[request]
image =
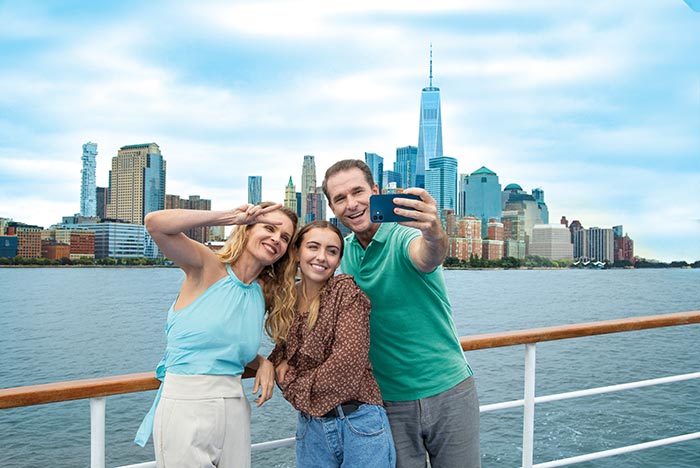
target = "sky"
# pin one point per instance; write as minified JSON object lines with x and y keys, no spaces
{"x":597,"y":102}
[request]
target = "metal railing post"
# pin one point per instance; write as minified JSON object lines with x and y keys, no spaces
{"x":97,"y":432}
{"x":529,"y":406}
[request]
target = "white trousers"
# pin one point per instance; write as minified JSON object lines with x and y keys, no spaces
{"x":202,"y":421}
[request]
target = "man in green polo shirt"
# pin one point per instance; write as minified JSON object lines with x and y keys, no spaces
{"x":426,"y":383}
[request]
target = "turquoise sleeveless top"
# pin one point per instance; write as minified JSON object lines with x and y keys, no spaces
{"x":217,"y":334}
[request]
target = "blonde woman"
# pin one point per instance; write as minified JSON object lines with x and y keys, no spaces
{"x":200,"y":417}
{"x":322,"y":364}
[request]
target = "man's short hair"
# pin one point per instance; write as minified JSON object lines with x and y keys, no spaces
{"x":345,"y":165}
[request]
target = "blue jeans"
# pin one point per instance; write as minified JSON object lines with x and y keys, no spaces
{"x":445,"y":427}
{"x":361,"y":439}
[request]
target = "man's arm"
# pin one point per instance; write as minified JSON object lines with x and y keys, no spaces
{"x":427,"y":251}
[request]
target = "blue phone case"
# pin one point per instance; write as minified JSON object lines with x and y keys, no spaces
{"x":381,"y":208}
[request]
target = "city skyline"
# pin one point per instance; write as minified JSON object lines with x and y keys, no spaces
{"x":597,"y":107}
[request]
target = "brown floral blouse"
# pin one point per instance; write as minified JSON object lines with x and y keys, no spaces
{"x":329,"y":364}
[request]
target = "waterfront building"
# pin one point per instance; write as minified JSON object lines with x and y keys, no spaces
{"x":405,"y":165}
{"x":578,"y":238}
{"x":136,"y":183}
{"x":552,"y":241}
{"x":3,"y":226}
{"x":88,"y":185}
{"x":101,"y":207}
{"x":28,"y":239}
{"x":482,"y":196}
{"x":82,"y":244}
{"x":430,"y":125}
{"x":290,"y":196}
{"x":467,"y":242}
{"x":600,"y":245}
{"x":254,"y":190}
{"x":391,"y":177}
{"x":376,"y":165}
{"x":53,"y":250}
{"x":308,"y":187}
{"x":493,"y":245}
{"x":119,"y":240}
{"x":8,"y":246}
{"x":624,"y":249}
{"x":441,"y":182}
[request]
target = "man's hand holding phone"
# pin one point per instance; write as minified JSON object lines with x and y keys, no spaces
{"x":382,"y":208}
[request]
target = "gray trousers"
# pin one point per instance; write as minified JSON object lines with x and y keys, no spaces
{"x":443,"y":428}
{"x":202,"y":421}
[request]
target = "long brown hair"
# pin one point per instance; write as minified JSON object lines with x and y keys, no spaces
{"x":277,"y":283}
{"x":278,"y":323}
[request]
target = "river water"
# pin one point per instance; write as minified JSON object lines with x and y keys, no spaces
{"x":74,"y":323}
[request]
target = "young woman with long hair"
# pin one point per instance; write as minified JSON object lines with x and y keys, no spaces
{"x":321,"y":361}
{"x":201,"y":417}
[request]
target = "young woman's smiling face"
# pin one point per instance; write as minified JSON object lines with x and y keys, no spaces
{"x":319,"y":255}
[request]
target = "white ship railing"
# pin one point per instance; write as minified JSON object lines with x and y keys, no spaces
{"x":97,"y":390}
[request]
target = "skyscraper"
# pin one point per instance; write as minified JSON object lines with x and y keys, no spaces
{"x":538,"y":194}
{"x":254,"y":190}
{"x":88,"y":186}
{"x":405,"y":165}
{"x":376,"y":165}
{"x":136,"y":183}
{"x":308,"y":186}
{"x":482,"y":196}
{"x":441,"y":182}
{"x":430,"y":126}
{"x":290,"y":195}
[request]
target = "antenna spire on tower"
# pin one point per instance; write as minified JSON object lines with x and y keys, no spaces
{"x":431,"y":64}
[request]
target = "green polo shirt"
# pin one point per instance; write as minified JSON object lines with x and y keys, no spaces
{"x":413,"y":342}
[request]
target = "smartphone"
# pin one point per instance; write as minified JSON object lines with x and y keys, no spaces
{"x":381,"y":208}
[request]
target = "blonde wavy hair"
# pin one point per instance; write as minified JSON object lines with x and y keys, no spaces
{"x":276,"y":280}
{"x":278,"y":323}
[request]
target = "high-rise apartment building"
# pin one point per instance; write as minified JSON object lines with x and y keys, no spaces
{"x":430,"y":125}
{"x":290,"y":195}
{"x":376,"y":165}
{"x":308,"y":187}
{"x":467,"y":242}
{"x":254,"y":190}
{"x":441,"y":182}
{"x":101,"y":196}
{"x":513,"y":234}
{"x":481,"y":195}
{"x":578,"y":238}
{"x":600,"y":244}
{"x":136,"y":183}
{"x":194,"y":202}
{"x":624,"y":248}
{"x":405,"y":165}
{"x":88,"y":185}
